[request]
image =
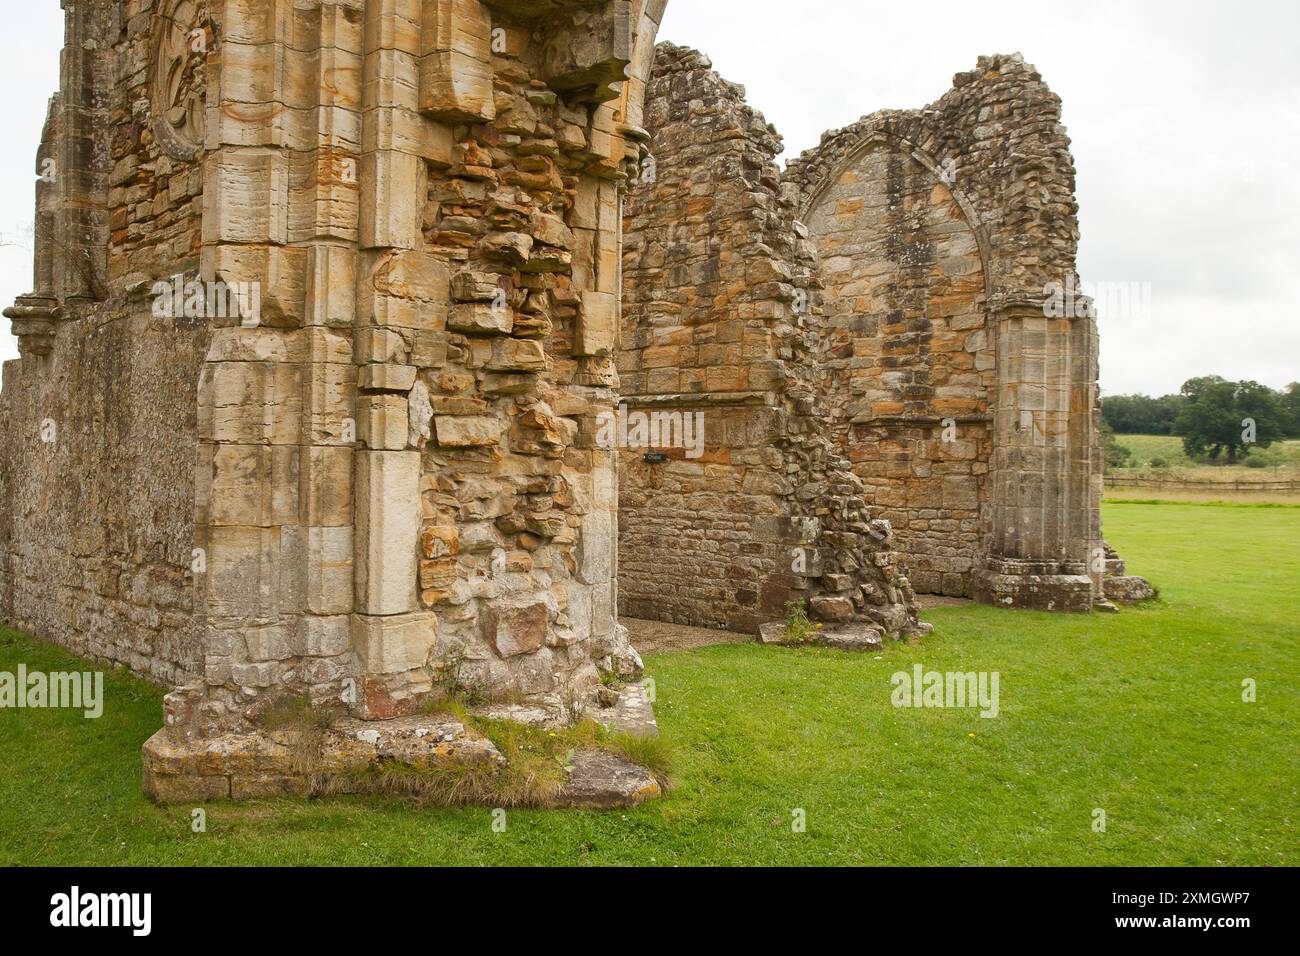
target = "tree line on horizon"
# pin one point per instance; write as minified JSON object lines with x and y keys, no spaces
{"x":1218,"y":420}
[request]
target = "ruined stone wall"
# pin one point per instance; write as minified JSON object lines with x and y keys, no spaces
{"x":517,"y":561}
{"x":97,"y":448}
{"x":718,"y":320}
{"x":97,"y":491}
{"x":964,"y":404}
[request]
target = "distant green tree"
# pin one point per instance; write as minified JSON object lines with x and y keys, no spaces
{"x":1142,"y":414}
{"x":1232,"y":417}
{"x":1290,"y":405}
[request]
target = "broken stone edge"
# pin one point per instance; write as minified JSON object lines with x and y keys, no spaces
{"x":855,"y":636}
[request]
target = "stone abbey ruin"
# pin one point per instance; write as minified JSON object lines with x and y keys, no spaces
{"x":336,"y":300}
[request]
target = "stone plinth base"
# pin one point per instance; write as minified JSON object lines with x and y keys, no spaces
{"x":1035,"y":585}
{"x":348,"y":756}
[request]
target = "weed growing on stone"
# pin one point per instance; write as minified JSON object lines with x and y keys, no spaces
{"x":798,"y":627}
{"x":303,"y":724}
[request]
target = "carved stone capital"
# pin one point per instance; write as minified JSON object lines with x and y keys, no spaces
{"x":34,"y":319}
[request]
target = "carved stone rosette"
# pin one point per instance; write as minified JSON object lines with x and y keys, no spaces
{"x":182,"y":39}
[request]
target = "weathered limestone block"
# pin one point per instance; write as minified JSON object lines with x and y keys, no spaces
{"x":601,"y":779}
{"x":587,"y":58}
{"x":455,"y":62}
{"x":408,"y":274}
{"x":322,"y":636}
{"x":382,"y":422}
{"x":387,"y":523}
{"x":328,"y":569}
{"x":242,"y":573}
{"x":387,"y":378}
{"x":467,"y":431}
{"x":516,"y":629}
{"x":1127,"y":589}
{"x":246,"y":198}
{"x":254,"y":486}
{"x":596,"y":328}
{"x":393,"y":645}
{"x":325,"y":486}
{"x":331,"y":286}
{"x":480,"y":318}
{"x":250,"y":403}
{"x":470,"y":286}
{"x":517,"y":355}
{"x":390,"y":209}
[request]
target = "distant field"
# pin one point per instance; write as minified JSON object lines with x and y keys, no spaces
{"x":1282,"y":460}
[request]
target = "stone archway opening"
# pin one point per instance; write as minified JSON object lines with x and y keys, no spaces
{"x":908,"y":367}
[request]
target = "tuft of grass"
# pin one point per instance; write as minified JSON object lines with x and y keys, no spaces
{"x":294,"y":717}
{"x":653,"y":753}
{"x":296,"y":713}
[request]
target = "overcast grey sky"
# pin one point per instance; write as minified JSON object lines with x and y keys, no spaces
{"x":1185,"y":118}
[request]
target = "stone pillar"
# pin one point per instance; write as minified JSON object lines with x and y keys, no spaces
{"x":72,"y":166}
{"x":80,"y":163}
{"x":364,"y":443}
{"x":277,"y":396}
{"x":1043,"y":521}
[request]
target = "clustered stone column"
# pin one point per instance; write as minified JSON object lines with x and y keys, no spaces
{"x":1046,"y":550}
{"x":399,"y":494}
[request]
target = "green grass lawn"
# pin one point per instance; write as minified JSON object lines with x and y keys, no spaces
{"x":1139,"y":714}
